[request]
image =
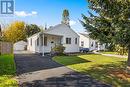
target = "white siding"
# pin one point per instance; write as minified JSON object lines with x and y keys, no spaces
{"x":58,"y":34}
{"x":94,"y":45}
{"x":20,"y":46}
{"x":85,"y":40}
{"x":33,"y":47}
{"x":66,"y":32}
{"x":88,"y":43}
{"x":101,"y":47}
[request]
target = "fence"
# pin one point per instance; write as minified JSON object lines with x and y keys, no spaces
{"x":6,"y":48}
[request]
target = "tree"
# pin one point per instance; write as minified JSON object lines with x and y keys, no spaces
{"x":0,"y":33}
{"x":15,"y":32}
{"x":112,"y":25}
{"x":31,"y":29}
{"x":65,"y":17}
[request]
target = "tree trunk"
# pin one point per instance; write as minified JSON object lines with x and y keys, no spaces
{"x":128,"y":61}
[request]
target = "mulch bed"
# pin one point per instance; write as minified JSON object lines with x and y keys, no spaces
{"x":122,"y":74}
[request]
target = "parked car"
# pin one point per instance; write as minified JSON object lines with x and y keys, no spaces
{"x":84,"y":50}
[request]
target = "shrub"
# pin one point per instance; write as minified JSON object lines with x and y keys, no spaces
{"x":58,"y":50}
{"x":121,"y":50}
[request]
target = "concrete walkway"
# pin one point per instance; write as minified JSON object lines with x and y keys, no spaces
{"x":34,"y":70}
{"x":112,"y":55}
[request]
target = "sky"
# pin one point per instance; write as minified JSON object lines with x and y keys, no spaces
{"x":49,"y":12}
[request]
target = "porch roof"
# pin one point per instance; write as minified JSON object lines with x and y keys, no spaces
{"x":46,"y":33}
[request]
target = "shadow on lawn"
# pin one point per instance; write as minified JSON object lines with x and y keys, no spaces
{"x":71,"y":79}
{"x":102,"y":72}
{"x":106,"y":73}
{"x":70,"y":60}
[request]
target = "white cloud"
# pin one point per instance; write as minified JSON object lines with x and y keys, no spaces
{"x":25,"y":14}
{"x":72,"y":22}
{"x":34,"y":13}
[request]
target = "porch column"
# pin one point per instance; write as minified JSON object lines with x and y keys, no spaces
{"x":43,"y":46}
{"x":40,"y":44}
{"x":99,"y":46}
{"x":62,"y":41}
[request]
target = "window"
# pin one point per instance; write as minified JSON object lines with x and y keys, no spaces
{"x":45,"y":41}
{"x":92,"y":44}
{"x":31,"y":41}
{"x":82,"y":43}
{"x":96,"y":44}
{"x":76,"y":40}
{"x":68,"y":40}
{"x":37,"y":41}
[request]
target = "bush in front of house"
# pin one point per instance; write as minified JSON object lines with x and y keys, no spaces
{"x":58,"y":50}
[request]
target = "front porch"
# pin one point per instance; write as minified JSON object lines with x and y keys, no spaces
{"x":47,"y":42}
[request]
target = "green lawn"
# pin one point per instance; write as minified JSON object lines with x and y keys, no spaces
{"x":100,"y":67}
{"x":7,"y":71}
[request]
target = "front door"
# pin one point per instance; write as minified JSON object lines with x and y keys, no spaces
{"x":52,"y":44}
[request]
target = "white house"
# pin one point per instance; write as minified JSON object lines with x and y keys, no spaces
{"x":86,"y":42}
{"x":43,"y":42}
{"x":20,"y":46}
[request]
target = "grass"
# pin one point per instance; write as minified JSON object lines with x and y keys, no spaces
{"x":97,"y":66}
{"x":7,"y":71}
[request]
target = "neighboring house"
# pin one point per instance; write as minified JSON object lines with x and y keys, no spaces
{"x":86,"y":42}
{"x":20,"y":46}
{"x":43,"y":42}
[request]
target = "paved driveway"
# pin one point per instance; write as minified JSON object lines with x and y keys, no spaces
{"x":34,"y":70}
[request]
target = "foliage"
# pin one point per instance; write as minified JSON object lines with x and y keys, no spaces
{"x":0,"y":38}
{"x":15,"y":32}
{"x":65,"y":17}
{"x":0,"y":34}
{"x":31,"y":29}
{"x":65,"y":13}
{"x":121,"y":50}
{"x":58,"y":49}
{"x":97,"y":66}
{"x":112,"y":25}
{"x":116,"y":49}
{"x":7,"y":71}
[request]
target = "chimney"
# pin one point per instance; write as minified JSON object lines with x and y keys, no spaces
{"x":45,"y":26}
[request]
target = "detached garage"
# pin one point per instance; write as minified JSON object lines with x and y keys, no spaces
{"x":20,"y":46}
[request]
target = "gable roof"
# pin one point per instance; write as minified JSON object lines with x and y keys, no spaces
{"x":35,"y":34}
{"x":51,"y":28}
{"x":21,"y":42}
{"x":55,"y":27}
